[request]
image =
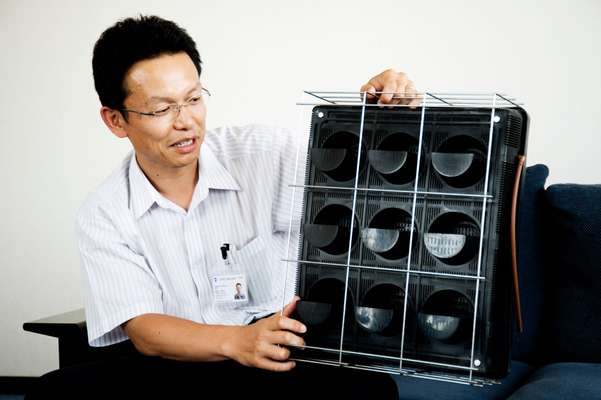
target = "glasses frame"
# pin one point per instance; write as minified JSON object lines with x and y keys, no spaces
{"x":170,"y":108}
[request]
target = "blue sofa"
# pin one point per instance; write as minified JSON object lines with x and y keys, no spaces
{"x":558,"y":354}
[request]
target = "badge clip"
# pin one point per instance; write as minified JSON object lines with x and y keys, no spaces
{"x":225,"y":253}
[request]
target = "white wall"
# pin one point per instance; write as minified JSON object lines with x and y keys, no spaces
{"x":258,"y":55}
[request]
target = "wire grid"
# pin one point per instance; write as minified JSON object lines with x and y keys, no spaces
{"x":418,"y":99}
{"x":423,"y":101}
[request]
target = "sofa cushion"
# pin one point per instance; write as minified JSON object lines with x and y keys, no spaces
{"x":525,"y":346}
{"x":573,"y":299}
{"x":572,"y":381}
{"x":411,"y":388}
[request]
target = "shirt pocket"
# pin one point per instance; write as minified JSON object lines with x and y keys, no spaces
{"x":258,"y":262}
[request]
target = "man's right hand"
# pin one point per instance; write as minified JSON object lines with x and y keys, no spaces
{"x":262,"y":344}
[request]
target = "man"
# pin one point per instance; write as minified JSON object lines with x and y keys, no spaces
{"x":150,"y":235}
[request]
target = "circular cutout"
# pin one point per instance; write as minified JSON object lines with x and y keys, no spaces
{"x":460,"y":161}
{"x":453,"y":238}
{"x":446,"y":316}
{"x":395,"y":158}
{"x":388,"y":233}
{"x":337,"y":156}
{"x":381,"y":310}
{"x":331,"y":229}
{"x":323,"y":304}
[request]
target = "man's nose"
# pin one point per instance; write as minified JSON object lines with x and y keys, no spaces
{"x":183,"y":116}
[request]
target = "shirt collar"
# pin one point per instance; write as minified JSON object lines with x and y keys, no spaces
{"x":213,"y":175}
{"x":214,"y":172}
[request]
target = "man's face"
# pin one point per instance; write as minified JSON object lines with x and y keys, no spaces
{"x":153,"y":85}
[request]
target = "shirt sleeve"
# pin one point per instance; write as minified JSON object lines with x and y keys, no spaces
{"x":118,"y":283}
{"x":290,"y":150}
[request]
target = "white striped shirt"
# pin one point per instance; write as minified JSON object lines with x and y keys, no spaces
{"x":142,"y":253}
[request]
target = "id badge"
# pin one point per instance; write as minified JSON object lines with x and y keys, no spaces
{"x":230,"y":288}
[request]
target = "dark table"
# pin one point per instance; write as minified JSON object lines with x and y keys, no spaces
{"x":71,"y":330}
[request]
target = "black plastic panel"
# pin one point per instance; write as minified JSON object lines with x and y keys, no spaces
{"x":409,"y":285}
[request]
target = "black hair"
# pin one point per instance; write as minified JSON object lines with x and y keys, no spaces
{"x":132,"y":40}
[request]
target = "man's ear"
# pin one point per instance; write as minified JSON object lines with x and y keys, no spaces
{"x":114,"y":120}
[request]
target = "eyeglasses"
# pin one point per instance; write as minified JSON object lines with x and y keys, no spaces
{"x":173,"y":110}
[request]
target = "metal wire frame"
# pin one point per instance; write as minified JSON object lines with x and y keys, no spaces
{"x":416,"y":373}
{"x":426,"y":99}
{"x":376,"y":268}
{"x":422,"y":374}
{"x":429,"y":99}
{"x":419,"y":192}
